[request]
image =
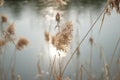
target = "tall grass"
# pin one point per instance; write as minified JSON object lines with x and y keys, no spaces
{"x":8,"y":36}
{"x":61,"y":41}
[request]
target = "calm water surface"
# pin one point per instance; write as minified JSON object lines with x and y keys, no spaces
{"x":33,"y":17}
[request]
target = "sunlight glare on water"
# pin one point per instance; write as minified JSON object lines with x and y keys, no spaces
{"x":54,"y":52}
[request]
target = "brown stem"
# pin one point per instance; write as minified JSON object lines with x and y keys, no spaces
{"x":52,"y":66}
{"x":114,"y":51}
{"x":84,"y":38}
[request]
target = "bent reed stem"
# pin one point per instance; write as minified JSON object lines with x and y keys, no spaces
{"x":85,"y":37}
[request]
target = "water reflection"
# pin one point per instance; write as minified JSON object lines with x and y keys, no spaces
{"x":33,"y":17}
{"x":17,"y":6}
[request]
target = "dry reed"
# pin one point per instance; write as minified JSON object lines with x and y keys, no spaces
{"x":114,"y":4}
{"x":63,"y":38}
{"x":102,"y":22}
{"x":12,"y":74}
{"x":92,"y":26}
{"x":81,"y":72}
{"x":8,"y":35}
{"x":21,"y":43}
{"x":58,"y":21}
{"x":58,"y":17}
{"x":61,"y":41}
{"x":4,"y":18}
{"x":47,"y":36}
{"x":115,"y":49}
{"x":107,"y":72}
{"x":11,"y":29}
{"x":2,"y":42}
{"x":110,"y":5}
{"x":52,"y":67}
{"x":39,"y":70}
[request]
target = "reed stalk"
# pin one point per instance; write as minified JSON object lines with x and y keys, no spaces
{"x":92,"y":26}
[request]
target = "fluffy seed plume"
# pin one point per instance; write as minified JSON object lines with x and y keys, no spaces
{"x":3,"y":18}
{"x":11,"y":29}
{"x":114,"y":4}
{"x":2,"y":42}
{"x":21,"y":43}
{"x":63,"y":38}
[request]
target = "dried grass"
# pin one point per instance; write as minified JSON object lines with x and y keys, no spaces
{"x":21,"y":43}
{"x":107,"y":72}
{"x":58,"y":20}
{"x":39,"y":70}
{"x":58,"y":17}
{"x":2,"y":42}
{"x":12,"y":74}
{"x":115,"y":49}
{"x":92,"y":26}
{"x":81,"y":72}
{"x":3,"y":18}
{"x":63,"y":38}
{"x":114,"y":4}
{"x":8,"y":35}
{"x":110,"y":5}
{"x":11,"y":29}
{"x":47,"y":36}
{"x":52,"y":67}
{"x":102,"y":21}
{"x":61,"y":41}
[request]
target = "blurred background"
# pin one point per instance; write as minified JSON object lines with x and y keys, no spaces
{"x":33,"y":17}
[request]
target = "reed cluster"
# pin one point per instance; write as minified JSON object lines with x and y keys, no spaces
{"x":113,"y":4}
{"x":8,"y":36}
{"x":61,"y":40}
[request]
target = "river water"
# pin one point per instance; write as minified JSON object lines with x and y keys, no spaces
{"x":33,"y":17}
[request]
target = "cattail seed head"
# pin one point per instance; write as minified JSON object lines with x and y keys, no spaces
{"x":2,"y":42}
{"x":114,"y":4}
{"x":21,"y":43}
{"x":11,"y":29}
{"x":4,"y":18}
{"x":58,"y":17}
